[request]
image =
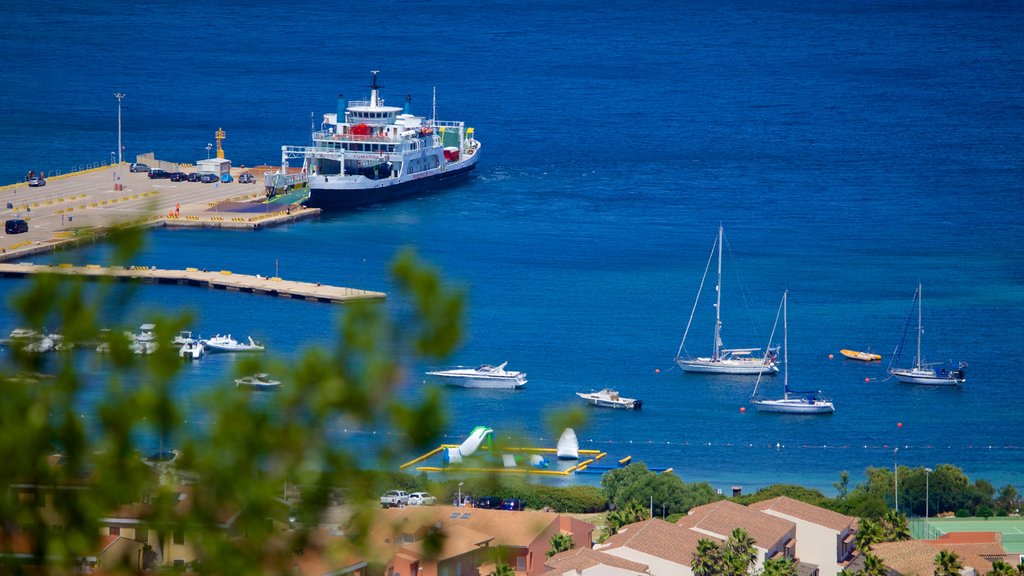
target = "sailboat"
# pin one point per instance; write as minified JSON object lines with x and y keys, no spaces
{"x":792,"y":402}
{"x":921,"y":373}
{"x":722,"y":360}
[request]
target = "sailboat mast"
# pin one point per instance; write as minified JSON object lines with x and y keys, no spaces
{"x":718,"y":300}
{"x":785,"y":346}
{"x":917,"y":362}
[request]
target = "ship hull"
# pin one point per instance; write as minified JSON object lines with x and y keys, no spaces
{"x":347,"y":198}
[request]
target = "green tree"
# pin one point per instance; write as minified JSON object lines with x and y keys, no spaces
{"x":843,"y":485}
{"x":502,"y":569}
{"x":868,"y":534}
{"x":873,"y":566}
{"x":636,"y":485}
{"x":560,"y":543}
{"x":948,"y":564}
{"x":630,"y":514}
{"x":1000,"y":568}
{"x":800,"y":493}
{"x":249,"y":451}
{"x":895,"y":527}
{"x":707,"y":559}
{"x":1007,"y":498}
{"x":779,"y":567}
{"x":739,"y":553}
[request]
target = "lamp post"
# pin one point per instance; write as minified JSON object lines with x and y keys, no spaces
{"x":119,"y":96}
{"x":927,"y":471}
{"x":459,"y":501}
{"x":896,"y":480}
{"x":210,"y":147}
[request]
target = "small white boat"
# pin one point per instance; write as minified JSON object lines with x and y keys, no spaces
{"x":484,"y":376}
{"x":192,"y":350}
{"x":228,"y":344}
{"x":261,"y":381}
{"x":609,"y":398}
{"x":147,"y":333}
{"x":40,"y":345}
{"x":183,"y":337}
{"x":792,"y":402}
{"x":143,"y":346}
{"x":929,"y":374}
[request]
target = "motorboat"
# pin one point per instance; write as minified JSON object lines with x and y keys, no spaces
{"x":147,"y":333}
{"x":609,"y":398}
{"x":143,"y":347}
{"x":722,"y":360}
{"x":856,"y":355}
{"x":483,"y":376}
{"x":183,"y":337}
{"x":192,"y":350}
{"x":929,"y":374}
{"x":792,"y":402}
{"x":221,"y":343}
{"x":261,"y":381}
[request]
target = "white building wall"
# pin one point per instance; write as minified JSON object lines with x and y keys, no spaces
{"x":658,"y":566}
{"x":815,"y":544}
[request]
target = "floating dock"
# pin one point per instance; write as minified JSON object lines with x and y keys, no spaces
{"x":219,"y":279}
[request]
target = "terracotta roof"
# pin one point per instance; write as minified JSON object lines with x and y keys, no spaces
{"x":806,"y":512}
{"x":458,"y":541}
{"x":913,"y":557}
{"x":723,"y":517}
{"x":579,"y":559}
{"x":657,"y":538}
{"x":327,"y":554}
{"x":970,"y":538}
{"x":508,"y":528}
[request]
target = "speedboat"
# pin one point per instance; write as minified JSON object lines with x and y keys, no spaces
{"x":483,"y":376}
{"x":261,"y":381}
{"x":146,"y":333}
{"x":609,"y":398}
{"x":183,"y":337}
{"x":228,"y":344}
{"x":192,"y":349}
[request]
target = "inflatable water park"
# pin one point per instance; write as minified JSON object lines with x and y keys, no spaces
{"x":478,"y":453}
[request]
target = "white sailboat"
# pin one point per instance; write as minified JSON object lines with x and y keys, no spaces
{"x":792,"y":402}
{"x":722,"y":360}
{"x":921,"y":373}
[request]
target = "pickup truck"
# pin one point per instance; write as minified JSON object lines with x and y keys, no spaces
{"x":394,"y":498}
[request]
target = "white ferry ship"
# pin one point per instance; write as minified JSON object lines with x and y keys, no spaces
{"x":369,"y":153}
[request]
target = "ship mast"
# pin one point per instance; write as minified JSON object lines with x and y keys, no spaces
{"x":718,"y":302}
{"x":373,"y":89}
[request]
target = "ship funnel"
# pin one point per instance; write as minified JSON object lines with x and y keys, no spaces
{"x":341,"y":108}
{"x":408,"y":104}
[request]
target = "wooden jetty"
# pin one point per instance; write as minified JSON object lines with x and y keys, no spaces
{"x":219,"y":279}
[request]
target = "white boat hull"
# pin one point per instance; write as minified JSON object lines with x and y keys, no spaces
{"x":927,"y":378}
{"x":708,"y":366}
{"x":480,"y":382}
{"x":795,"y":406}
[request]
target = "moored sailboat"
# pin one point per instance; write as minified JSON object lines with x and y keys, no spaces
{"x":722,"y":360}
{"x":792,"y":402}
{"x":929,"y":374}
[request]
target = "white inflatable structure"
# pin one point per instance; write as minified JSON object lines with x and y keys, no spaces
{"x":568,"y":446}
{"x":469,"y":446}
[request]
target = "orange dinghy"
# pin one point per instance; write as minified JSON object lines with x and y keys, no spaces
{"x":865,"y":356}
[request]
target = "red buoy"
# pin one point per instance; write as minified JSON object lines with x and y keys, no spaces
{"x":657,"y":370}
{"x":899,"y":424}
{"x":867,"y":379}
{"x":830,"y":356}
{"x":743,"y":409}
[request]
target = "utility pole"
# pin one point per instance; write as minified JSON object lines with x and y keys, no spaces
{"x":119,"y":96}
{"x":896,"y":479}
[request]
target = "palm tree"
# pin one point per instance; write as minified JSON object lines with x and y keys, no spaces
{"x":618,"y":518}
{"x":707,"y":559}
{"x":868,"y":534}
{"x":503,"y":569}
{"x":739,"y":552}
{"x":560,"y":543}
{"x":895,"y":526}
{"x":873,"y":566}
{"x":948,"y":564}
{"x":779,"y":567}
{"x":1000,"y":568}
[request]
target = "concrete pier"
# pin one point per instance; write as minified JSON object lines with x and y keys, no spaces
{"x":219,"y":279}
{"x":72,"y":206}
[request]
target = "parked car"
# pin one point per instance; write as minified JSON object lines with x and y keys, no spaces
{"x":209,"y":177}
{"x":491,"y":502}
{"x":194,"y":176}
{"x":37,"y":181}
{"x":465,"y":502}
{"x":394,"y":498}
{"x":421,"y":499}
{"x":15,"y":226}
{"x":246,"y":178}
{"x":179,"y":177}
{"x":155,"y":173}
{"x":226,"y":178}
{"x":512,"y":504}
{"x":138,"y":167}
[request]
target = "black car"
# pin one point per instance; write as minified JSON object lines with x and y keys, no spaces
{"x":194,"y":176}
{"x":15,"y":226}
{"x":490,"y":502}
{"x":246,"y":178}
{"x":137,"y":167}
{"x":209,"y":178}
{"x":155,"y":173}
{"x":512,"y":504}
{"x":179,"y":177}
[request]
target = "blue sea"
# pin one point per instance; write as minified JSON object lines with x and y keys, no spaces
{"x":849,"y":149}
